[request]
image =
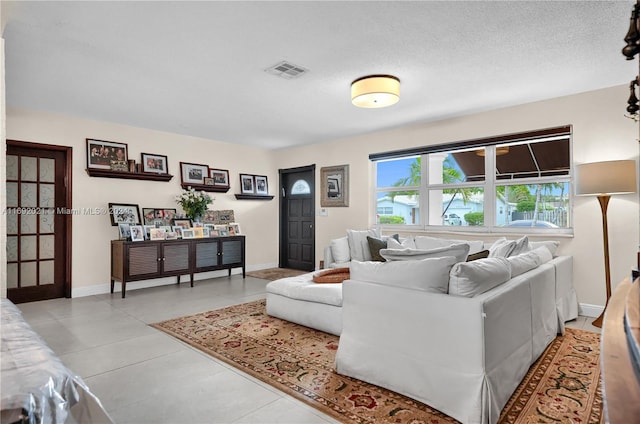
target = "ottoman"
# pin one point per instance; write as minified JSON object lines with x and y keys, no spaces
{"x":299,"y":299}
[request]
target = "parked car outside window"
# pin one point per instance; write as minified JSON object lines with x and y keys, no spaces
{"x":452,"y":219}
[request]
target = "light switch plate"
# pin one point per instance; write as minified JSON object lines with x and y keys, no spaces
{"x":323,"y":212}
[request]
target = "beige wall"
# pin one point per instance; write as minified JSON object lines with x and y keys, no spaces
{"x":600,"y":133}
{"x":92,"y":233}
{"x":3,"y":177}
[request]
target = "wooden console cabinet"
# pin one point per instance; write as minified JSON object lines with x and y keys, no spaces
{"x":144,"y":260}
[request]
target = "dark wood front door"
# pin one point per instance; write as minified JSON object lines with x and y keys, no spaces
{"x":297,"y":218}
{"x":38,"y":221}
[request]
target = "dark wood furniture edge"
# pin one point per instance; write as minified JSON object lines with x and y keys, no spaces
{"x":106,"y":173}
{"x":253,"y":197}
{"x":620,"y":381}
{"x":202,"y":187}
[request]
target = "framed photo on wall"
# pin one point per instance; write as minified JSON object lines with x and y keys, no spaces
{"x":334,"y":186}
{"x":262,"y":188}
{"x":220,"y":177}
{"x":247,"y":184}
{"x":154,"y":163}
{"x":193,"y":173}
{"x":101,"y":153}
{"x":124,"y":213}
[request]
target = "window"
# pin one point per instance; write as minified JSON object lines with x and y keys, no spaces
{"x":450,"y":185}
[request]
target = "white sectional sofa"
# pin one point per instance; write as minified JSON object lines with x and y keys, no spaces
{"x":458,"y":336}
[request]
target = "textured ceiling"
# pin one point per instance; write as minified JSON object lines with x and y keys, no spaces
{"x":197,"y":68}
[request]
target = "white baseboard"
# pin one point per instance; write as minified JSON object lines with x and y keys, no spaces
{"x":134,"y":285}
{"x":588,"y":310}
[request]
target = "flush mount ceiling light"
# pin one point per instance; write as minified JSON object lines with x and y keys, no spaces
{"x":375,"y":91}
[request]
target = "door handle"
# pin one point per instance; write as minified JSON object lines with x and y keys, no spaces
{"x":283,"y":192}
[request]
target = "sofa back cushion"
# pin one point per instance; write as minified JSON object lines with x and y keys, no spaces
{"x":431,"y":275}
{"x":469,"y":279}
{"x":358,"y":245}
{"x":340,"y":250}
{"x":428,"y":243}
{"x":552,"y":245}
{"x":459,"y":251}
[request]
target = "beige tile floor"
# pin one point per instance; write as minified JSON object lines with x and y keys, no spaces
{"x":142,"y":375}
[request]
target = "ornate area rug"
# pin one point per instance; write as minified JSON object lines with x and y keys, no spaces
{"x":563,"y":386}
{"x":272,"y":274}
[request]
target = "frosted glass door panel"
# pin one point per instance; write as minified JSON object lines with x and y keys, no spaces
{"x":29,"y":169}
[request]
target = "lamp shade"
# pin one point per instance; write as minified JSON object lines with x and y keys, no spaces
{"x":375,"y":91}
{"x":612,"y":177}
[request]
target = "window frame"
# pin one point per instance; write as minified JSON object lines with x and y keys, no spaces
{"x":489,"y":184}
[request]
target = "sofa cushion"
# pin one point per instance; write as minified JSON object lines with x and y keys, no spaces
{"x":523,"y":262}
{"x":404,"y":243}
{"x":521,"y":246}
{"x":427,"y":243}
{"x":302,"y":287}
{"x":358,"y":246}
{"x":529,"y":260}
{"x":552,"y":245}
{"x":469,"y":279}
{"x":431,"y":275}
{"x":340,"y":250}
{"x":460,"y":251}
{"x":501,"y":248}
{"x":376,"y":244}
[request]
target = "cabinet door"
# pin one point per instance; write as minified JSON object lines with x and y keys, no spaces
{"x":207,"y":253}
{"x":175,"y":257}
{"x":143,"y":260}
{"x":232,"y":251}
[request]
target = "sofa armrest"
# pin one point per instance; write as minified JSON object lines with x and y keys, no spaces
{"x":328,"y":257}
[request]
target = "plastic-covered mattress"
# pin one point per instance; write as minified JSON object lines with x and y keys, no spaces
{"x":36,"y":386}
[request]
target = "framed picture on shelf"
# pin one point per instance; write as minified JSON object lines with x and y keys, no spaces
{"x":210,"y":217}
{"x":184,"y":223}
{"x":205,"y":232}
{"x":124,"y":213}
{"x":262,"y":188}
{"x":334,"y":182}
{"x":225,"y":216}
{"x":188,"y":234}
{"x":124,"y":230}
{"x":101,"y":153}
{"x":246,"y":184}
{"x":171,"y":235}
{"x":168,"y":215}
{"x":157,"y":234}
{"x":147,"y":231}
{"x":192,"y":173}
{"x":234,"y":229}
{"x":148,"y":216}
{"x":154,"y":163}
{"x":137,"y":233}
{"x":209,"y":181}
{"x":220,"y":177}
{"x":178,"y":230}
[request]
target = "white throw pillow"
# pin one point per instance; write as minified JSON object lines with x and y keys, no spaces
{"x":406,"y":243}
{"x":544,"y":254}
{"x":460,"y":251}
{"x":550,"y":244}
{"x":358,"y":242}
{"x":521,"y":246}
{"x":501,"y":248}
{"x":469,"y":279}
{"x":524,"y":262}
{"x":340,"y":250}
{"x":431,"y":275}
{"x":427,"y":243}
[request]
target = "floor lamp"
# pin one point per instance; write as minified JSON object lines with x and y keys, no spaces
{"x":603,"y":179}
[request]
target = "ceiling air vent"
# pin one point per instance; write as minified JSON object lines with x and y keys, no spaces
{"x":286,"y":70}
